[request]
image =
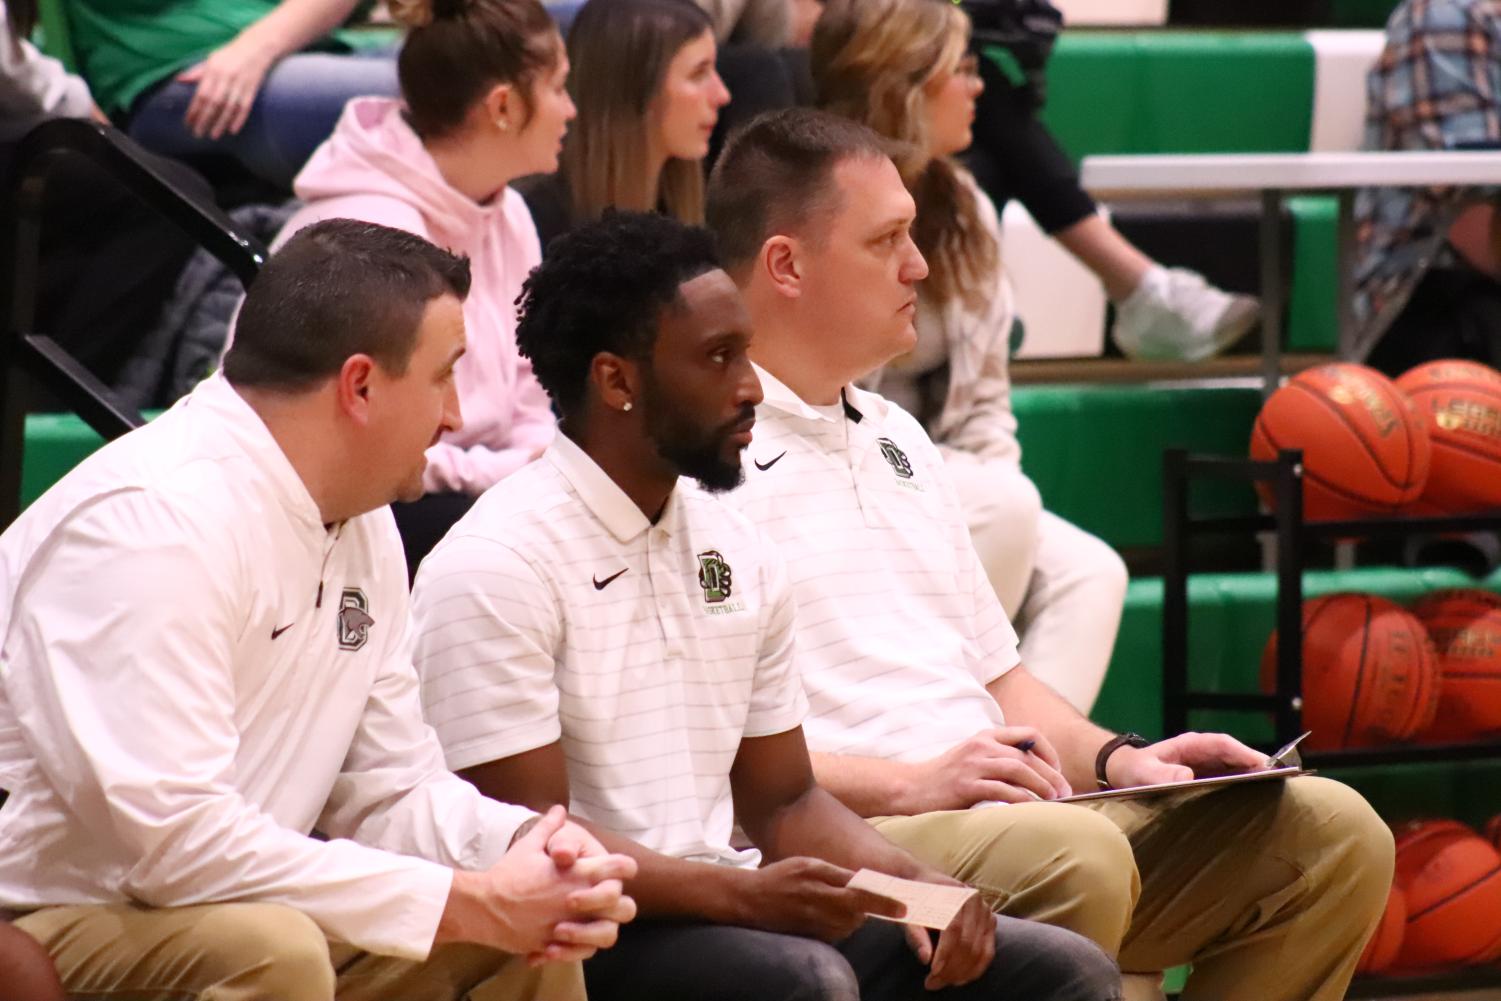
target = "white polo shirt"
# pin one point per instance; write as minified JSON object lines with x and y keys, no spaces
{"x":898,"y":628}
{"x":556,"y":609}
{"x":180,"y":708}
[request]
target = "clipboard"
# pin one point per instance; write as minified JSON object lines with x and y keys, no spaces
{"x":1194,"y":785}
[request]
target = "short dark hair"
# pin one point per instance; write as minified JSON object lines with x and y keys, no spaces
{"x":775,"y":173}
{"x":602,"y":287}
{"x":338,"y":288}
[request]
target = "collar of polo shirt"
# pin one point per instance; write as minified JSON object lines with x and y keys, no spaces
{"x":778,"y":396}
{"x":215,"y":393}
{"x":603,"y":496}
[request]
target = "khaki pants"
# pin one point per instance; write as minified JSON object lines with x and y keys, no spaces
{"x":1270,"y":890}
{"x":266,"y":952}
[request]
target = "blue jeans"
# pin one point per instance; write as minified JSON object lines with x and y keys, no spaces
{"x":684,"y":961}
{"x":297,"y":107}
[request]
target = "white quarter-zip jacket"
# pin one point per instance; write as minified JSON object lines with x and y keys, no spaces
{"x":196,"y":674}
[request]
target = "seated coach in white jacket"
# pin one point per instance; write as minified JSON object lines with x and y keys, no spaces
{"x":220,"y":783}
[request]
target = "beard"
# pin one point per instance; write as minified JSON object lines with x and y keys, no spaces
{"x":688,"y":448}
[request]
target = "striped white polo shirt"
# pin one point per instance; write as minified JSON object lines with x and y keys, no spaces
{"x":555,"y":609}
{"x":898,"y":628}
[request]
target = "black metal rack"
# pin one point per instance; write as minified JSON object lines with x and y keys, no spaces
{"x":1292,"y":533}
{"x":1285,"y":474}
{"x":26,"y":355}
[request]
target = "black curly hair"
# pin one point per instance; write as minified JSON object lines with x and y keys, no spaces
{"x":602,"y":287}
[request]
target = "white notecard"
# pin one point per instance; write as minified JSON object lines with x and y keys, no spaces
{"x":928,"y":904}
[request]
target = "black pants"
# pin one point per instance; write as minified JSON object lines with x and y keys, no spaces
{"x":423,"y":523}
{"x":1453,"y":313}
{"x":672,"y":961}
{"x":1015,"y":156}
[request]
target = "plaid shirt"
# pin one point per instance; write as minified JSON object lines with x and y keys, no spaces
{"x":1437,"y":85}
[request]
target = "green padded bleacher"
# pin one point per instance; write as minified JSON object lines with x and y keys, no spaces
{"x":55,"y":443}
{"x":1095,"y":451}
{"x":1313,"y":299}
{"x":1181,"y":92}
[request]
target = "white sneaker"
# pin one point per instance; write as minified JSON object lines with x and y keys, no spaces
{"x":1175,"y":315}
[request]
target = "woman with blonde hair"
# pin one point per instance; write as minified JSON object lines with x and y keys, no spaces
{"x":485,"y":102}
{"x":903,"y":68}
{"x":648,"y":98}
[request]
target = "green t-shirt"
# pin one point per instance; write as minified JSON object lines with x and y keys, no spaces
{"x":126,"y":46}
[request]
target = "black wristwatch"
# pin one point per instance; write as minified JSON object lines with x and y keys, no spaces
{"x":1111,"y":746}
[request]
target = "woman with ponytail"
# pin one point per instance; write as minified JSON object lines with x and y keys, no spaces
{"x":485,"y":101}
{"x":902,"y":68}
{"x":648,"y":98}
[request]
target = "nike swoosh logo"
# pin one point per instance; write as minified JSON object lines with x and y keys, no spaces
{"x":767,"y":465}
{"x":277,"y":632}
{"x":600,"y":585}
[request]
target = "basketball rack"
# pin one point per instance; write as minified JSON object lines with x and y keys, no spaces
{"x":1292,"y":534}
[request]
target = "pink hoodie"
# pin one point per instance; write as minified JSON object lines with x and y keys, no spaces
{"x":374,"y":168}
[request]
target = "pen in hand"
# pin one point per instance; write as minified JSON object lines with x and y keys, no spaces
{"x":1026,"y":748}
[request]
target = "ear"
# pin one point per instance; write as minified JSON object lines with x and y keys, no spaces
{"x":781,"y":262}
{"x":501,"y":104}
{"x":616,"y":381}
{"x":353,"y":387}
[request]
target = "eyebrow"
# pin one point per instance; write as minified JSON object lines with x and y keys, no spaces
{"x":727,"y":336}
{"x":893,"y":222}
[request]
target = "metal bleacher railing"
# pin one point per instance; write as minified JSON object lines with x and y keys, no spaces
{"x":28,"y":358}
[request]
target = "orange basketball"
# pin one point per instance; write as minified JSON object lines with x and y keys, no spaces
{"x":1465,"y":626}
{"x":1492,"y":832}
{"x":1451,"y":878}
{"x":1365,"y":446}
{"x":1381,"y":951}
{"x":1369,"y":674}
{"x":1460,"y":403}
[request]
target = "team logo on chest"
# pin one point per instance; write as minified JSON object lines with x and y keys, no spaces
{"x":895,"y":458}
{"x":354,"y":620}
{"x":713,"y":576}
{"x":715,"y":579}
{"x":900,"y":465}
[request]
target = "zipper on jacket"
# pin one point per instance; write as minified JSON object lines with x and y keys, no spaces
{"x":323,"y":570}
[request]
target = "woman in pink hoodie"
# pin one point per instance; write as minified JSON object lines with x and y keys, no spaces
{"x":484,"y":102}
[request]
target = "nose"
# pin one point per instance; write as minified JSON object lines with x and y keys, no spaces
{"x":720,"y":95}
{"x":453,"y":416}
{"x":573,"y":111}
{"x":749,"y":389}
{"x":914,"y":266}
